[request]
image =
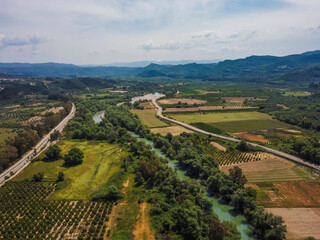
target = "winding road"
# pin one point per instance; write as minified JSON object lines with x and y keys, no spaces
{"x":273,"y":151}
{"x":41,"y":146}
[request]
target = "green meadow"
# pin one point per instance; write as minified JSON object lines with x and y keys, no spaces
{"x":101,"y":161}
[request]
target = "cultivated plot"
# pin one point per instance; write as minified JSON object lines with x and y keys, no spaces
{"x":271,"y":169}
{"x":149,"y":118}
{"x":301,"y":222}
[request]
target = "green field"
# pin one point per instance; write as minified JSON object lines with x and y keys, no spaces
{"x":297,"y":94}
{"x":101,"y":161}
{"x":5,"y":133}
{"x":149,"y":118}
{"x":219,"y":117}
{"x":249,"y":125}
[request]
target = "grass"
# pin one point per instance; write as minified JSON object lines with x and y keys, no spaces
{"x":297,"y":94}
{"x":149,"y":118}
{"x":5,"y":133}
{"x":101,"y":161}
{"x":249,"y":125}
{"x":127,"y":211}
{"x":219,"y":117}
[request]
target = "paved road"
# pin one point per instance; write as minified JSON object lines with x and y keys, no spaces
{"x":42,"y":145}
{"x":275,"y":152}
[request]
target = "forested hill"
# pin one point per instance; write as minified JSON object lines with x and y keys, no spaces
{"x":253,"y":67}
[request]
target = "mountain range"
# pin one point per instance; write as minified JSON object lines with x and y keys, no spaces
{"x":254,"y":67}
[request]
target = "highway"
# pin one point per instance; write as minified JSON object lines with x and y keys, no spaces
{"x":273,"y":151}
{"x":41,"y":146}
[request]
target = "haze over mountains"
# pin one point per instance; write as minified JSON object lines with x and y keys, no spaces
{"x":306,"y":65}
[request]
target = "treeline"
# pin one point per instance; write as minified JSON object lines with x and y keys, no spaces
{"x":25,"y":140}
{"x":198,"y":165}
{"x":307,"y":148}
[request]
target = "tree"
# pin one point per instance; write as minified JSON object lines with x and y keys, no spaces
{"x":113,"y":193}
{"x":112,"y":136}
{"x":216,"y":230}
{"x":237,"y":176}
{"x":53,"y":153}
{"x":55,"y":135}
{"x":38,"y":177}
{"x":243,"y":146}
{"x":74,"y":156}
{"x":61,"y":177}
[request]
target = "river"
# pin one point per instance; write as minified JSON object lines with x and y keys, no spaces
{"x":149,"y":97}
{"x":223,"y":210}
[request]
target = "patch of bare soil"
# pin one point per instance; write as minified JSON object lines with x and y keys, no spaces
{"x":242,"y":99}
{"x":174,"y":130}
{"x":181,"y":100}
{"x":251,"y":137}
{"x":301,"y":222}
{"x":207,"y":92}
{"x":252,"y":185}
{"x":117,"y":91}
{"x":126,"y":183}
{"x":206,"y":108}
{"x":54,"y":110}
{"x":217,"y":145}
{"x":110,"y":225}
{"x":300,"y":193}
{"x":142,"y":229}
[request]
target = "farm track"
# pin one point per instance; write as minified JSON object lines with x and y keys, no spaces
{"x":270,"y":150}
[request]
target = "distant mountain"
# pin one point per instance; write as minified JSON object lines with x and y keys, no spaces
{"x":141,"y":64}
{"x":250,"y":68}
{"x":59,"y":70}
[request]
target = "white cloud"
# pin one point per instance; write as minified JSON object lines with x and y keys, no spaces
{"x":99,"y":31}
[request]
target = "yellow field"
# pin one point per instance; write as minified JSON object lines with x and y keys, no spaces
{"x":174,"y":130}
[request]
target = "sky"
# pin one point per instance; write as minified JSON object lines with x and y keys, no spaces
{"x":107,"y":31}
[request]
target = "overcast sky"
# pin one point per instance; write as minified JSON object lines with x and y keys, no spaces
{"x":106,"y":31}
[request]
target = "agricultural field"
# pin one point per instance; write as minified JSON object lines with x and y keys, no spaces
{"x":149,"y":118}
{"x":301,"y":222}
{"x":219,"y":117}
{"x":249,"y":125}
{"x":25,"y":213}
{"x":289,"y":194}
{"x":297,"y":93}
{"x":174,"y":130}
{"x":146,"y":105}
{"x":101,"y":161}
{"x":241,"y":99}
{"x":188,"y":101}
{"x":232,"y":122}
{"x":272,"y":169}
{"x":251,"y":137}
